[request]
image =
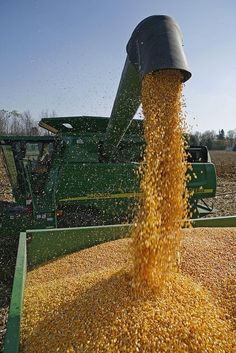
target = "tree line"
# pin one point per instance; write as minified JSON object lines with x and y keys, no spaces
{"x":214,"y":140}
{"x":16,"y":123}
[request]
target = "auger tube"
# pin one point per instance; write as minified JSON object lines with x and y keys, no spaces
{"x":155,"y":44}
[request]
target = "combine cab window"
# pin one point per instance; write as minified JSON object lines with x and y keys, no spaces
{"x":32,"y":151}
{"x":46,"y":150}
{"x":198,"y":154}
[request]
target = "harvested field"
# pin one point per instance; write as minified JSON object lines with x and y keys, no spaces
{"x":225,"y":200}
{"x":225,"y":163}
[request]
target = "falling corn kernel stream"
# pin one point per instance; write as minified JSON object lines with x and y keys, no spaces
{"x":164,"y":205}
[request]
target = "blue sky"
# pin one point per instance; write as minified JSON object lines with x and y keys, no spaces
{"x":67,"y":55}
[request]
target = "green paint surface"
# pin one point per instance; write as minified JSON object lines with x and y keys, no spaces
{"x":47,"y":244}
{"x":12,"y":338}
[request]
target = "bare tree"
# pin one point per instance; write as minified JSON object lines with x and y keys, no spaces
{"x":28,"y":122}
{"x":16,"y":127}
{"x":4,"y":116}
{"x":231,"y":137}
{"x":15,"y":123}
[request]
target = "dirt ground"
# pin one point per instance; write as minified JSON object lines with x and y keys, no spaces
{"x":225,"y":200}
{"x":225,"y":163}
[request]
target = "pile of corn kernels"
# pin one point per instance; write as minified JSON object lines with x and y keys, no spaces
{"x":84,"y":302}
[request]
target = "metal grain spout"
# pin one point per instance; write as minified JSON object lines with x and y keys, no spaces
{"x":155,"y":44}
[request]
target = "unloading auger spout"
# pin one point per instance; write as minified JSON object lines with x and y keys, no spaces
{"x":155,"y":44}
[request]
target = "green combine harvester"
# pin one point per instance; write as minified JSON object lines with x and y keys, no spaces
{"x":68,"y":180}
{"x":80,"y":186}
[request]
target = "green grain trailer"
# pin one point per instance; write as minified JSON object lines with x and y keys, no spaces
{"x":39,"y":246}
